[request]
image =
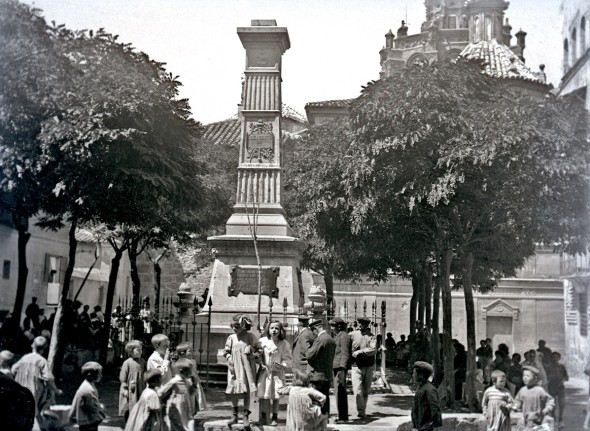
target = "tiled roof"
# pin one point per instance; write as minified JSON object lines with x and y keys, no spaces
{"x":342,"y":103}
{"x":289,"y":112}
{"x":85,"y":235}
{"x":500,"y":61}
{"x":226,"y":131}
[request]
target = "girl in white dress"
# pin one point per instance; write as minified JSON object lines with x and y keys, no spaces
{"x":277,"y":357}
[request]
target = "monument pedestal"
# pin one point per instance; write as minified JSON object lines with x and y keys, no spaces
{"x":234,"y":283}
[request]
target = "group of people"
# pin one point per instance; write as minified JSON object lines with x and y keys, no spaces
{"x":160,"y":395}
{"x":535,"y":386}
{"x":155,"y":395}
{"x":319,"y":358}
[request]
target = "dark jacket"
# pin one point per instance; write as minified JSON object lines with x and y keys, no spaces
{"x":17,"y":405}
{"x":301,"y":345}
{"x":320,"y":356}
{"x":426,"y":413}
{"x":342,"y":354}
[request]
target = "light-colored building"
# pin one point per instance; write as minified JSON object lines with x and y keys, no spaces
{"x":574,"y":83}
{"x":576,"y":49}
{"x":47,"y":259}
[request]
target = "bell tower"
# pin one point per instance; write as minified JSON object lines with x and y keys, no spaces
{"x":486,"y":20}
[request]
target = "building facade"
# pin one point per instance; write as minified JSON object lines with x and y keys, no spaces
{"x":576,"y":49}
{"x":574,"y":83}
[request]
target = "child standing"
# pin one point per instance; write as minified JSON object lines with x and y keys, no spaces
{"x":534,"y":402}
{"x":199,"y":403}
{"x":304,"y":409}
{"x":497,"y":402}
{"x":240,"y":350}
{"x":159,"y":360}
{"x":277,"y":357}
{"x":87,"y":411}
{"x":131,"y":378}
{"x":426,"y":413}
{"x":178,"y":393}
{"x":146,"y":415}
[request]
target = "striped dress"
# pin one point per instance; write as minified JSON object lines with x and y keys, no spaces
{"x":494,"y":403}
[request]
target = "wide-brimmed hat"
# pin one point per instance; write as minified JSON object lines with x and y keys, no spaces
{"x":363,"y":319}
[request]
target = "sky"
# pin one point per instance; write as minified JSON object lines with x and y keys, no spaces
{"x":334,"y":43}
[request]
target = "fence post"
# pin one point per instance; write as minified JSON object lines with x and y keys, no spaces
{"x":208,"y":337}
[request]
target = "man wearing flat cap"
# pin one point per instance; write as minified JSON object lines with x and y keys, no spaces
{"x":341,"y":367}
{"x":302,"y":343}
{"x":320,"y":357}
{"x":426,"y":413}
{"x":364,"y":347}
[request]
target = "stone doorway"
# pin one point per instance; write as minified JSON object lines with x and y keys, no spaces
{"x":499,"y":330}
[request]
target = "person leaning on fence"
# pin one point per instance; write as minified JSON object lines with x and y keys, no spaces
{"x":131,"y":378}
{"x":426,"y":412}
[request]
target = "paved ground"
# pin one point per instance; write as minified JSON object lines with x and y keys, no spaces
{"x":386,"y":411}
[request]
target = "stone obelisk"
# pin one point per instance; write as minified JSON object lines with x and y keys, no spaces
{"x":258,"y":212}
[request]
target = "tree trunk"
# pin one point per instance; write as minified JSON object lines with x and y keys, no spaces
{"x":23,"y":272}
{"x":104,"y":342}
{"x":135,"y":281}
{"x":428,"y":299}
{"x":413,"y":308}
{"x":421,"y":297}
{"x":448,"y":352}
{"x":470,"y":394}
{"x":157,"y":286}
{"x":57,"y":347}
{"x":438,"y":372}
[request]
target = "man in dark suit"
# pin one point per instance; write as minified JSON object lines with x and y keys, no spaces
{"x":341,"y":366}
{"x":302,"y":343}
{"x":320,"y":357}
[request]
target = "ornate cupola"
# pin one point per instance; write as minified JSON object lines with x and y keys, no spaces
{"x":486,"y":19}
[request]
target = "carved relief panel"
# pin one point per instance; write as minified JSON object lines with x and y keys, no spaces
{"x":260,"y":142}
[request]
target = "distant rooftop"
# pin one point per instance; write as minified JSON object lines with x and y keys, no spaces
{"x":341,"y":103}
{"x":500,"y":62}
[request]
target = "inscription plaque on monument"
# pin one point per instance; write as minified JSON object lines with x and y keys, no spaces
{"x":245,"y":280}
{"x":260,"y":142}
